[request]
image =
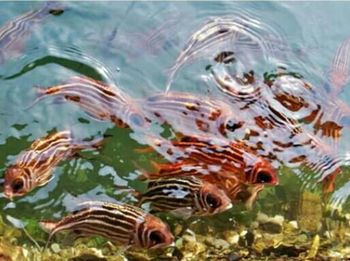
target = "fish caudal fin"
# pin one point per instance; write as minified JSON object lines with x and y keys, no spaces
{"x":40,"y":93}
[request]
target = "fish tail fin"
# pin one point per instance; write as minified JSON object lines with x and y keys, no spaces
{"x":144,"y":175}
{"x":170,"y":75}
{"x":40,"y":93}
{"x":147,"y":175}
{"x":156,"y":166}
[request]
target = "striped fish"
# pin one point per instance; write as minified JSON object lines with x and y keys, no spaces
{"x":340,"y":69}
{"x":33,"y":167}
{"x":237,"y":32}
{"x":193,"y":114}
{"x":14,"y":34}
{"x":227,"y":160}
{"x":98,"y":100}
{"x":235,"y":189}
{"x":123,"y":224}
{"x":186,"y":197}
{"x":211,"y":33}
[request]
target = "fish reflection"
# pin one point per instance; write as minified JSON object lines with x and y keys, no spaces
{"x":99,"y":100}
{"x":241,"y":32}
{"x":120,"y":223}
{"x":186,"y":197}
{"x":34,"y":167}
{"x":340,"y":69}
{"x":191,"y":114}
{"x":210,"y":34}
{"x":16,"y":32}
{"x":300,"y":126}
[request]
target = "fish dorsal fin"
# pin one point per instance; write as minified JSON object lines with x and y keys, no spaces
{"x":37,"y":144}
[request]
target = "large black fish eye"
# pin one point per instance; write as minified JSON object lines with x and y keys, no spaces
{"x":212,"y":201}
{"x":17,"y":185}
{"x":263,"y":177}
{"x":156,"y":238}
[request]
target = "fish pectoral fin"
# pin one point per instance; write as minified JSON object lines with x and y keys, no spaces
{"x":185,"y":212}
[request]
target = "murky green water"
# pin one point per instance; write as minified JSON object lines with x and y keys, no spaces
{"x":133,"y":45}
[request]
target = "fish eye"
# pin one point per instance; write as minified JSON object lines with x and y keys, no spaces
{"x":17,"y":185}
{"x":156,"y":238}
{"x":263,"y":177}
{"x":212,"y":201}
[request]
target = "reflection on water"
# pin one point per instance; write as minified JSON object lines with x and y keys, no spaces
{"x":194,"y":105}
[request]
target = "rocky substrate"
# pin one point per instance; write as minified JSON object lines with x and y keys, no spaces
{"x":266,"y":238}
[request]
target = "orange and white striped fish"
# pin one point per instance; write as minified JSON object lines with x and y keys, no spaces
{"x":227,"y":159}
{"x":15,"y":33}
{"x":98,"y":100}
{"x":185,"y":196}
{"x":33,"y":167}
{"x":235,"y":189}
{"x":121,"y":223}
{"x":193,"y":114}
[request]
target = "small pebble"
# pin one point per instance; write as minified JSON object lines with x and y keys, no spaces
{"x":218,"y":243}
{"x":233,"y":257}
{"x":294,"y":224}
{"x":55,"y":248}
{"x":231,"y":237}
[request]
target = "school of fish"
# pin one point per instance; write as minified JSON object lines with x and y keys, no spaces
{"x":225,"y":150}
